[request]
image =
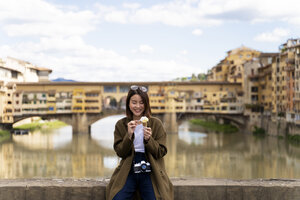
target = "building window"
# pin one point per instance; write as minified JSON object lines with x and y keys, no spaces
{"x":124,"y":89}
{"x":254,"y":97}
{"x":110,"y":89}
{"x":14,"y":74}
{"x":254,"y":89}
{"x":92,"y":94}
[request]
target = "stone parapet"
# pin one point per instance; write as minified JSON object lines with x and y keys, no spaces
{"x":184,"y":189}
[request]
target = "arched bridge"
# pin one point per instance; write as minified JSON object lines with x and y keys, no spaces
{"x":238,"y":120}
{"x":80,"y":122}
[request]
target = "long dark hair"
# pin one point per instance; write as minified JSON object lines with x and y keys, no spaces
{"x":145,"y":99}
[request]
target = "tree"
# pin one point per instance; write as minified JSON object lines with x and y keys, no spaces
{"x":194,"y":78}
{"x":202,"y":77}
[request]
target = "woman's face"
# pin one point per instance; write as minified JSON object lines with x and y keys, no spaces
{"x":136,"y":106}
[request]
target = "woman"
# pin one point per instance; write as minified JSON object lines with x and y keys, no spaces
{"x":136,"y":144}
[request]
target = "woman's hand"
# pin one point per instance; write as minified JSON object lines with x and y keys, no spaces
{"x":147,"y":133}
{"x":131,"y":127}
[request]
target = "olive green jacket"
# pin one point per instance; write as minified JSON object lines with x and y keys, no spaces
{"x":155,"y":150}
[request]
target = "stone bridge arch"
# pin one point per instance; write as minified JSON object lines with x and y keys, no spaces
{"x":237,"y":120}
{"x":122,"y":103}
{"x":110,"y":102}
{"x":80,"y":122}
{"x":24,"y":117}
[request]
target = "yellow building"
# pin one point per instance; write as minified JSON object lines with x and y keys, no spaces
{"x":265,"y":88}
{"x":90,"y":97}
{"x":276,"y":91}
{"x":297,"y":84}
{"x":231,"y":68}
{"x":6,"y":102}
{"x":258,"y":83}
{"x":58,"y":97}
{"x":289,"y":50}
{"x":78,"y":100}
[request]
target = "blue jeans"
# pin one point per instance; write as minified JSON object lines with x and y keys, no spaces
{"x":134,"y":182}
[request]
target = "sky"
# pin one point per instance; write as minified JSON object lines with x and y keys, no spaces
{"x":136,"y":40}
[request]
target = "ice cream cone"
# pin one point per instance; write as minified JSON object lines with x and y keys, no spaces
{"x":144,"y":120}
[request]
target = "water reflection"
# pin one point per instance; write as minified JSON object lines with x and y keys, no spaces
{"x":190,"y":137}
{"x":191,"y":153}
{"x":46,"y":140}
{"x":102,"y":131}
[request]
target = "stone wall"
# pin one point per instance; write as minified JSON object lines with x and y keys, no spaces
{"x":184,"y":189}
{"x":280,"y":127}
{"x":274,"y":128}
{"x":294,"y":129}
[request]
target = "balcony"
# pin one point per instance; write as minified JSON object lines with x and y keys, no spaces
{"x":290,"y":60}
{"x":289,"y":68}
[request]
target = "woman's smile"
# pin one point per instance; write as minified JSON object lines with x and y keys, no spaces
{"x":136,"y":106}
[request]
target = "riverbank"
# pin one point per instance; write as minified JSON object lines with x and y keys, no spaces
{"x":214,"y":126}
{"x":40,"y":124}
{"x":295,"y":139}
{"x":4,"y":135}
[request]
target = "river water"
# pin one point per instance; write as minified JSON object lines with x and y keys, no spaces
{"x":192,"y":152}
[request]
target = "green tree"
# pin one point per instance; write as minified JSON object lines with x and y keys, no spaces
{"x":202,"y":77}
{"x":194,"y":78}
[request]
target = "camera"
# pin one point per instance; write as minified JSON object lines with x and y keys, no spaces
{"x":141,"y":167}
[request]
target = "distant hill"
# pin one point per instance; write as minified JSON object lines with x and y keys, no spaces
{"x":62,"y":80}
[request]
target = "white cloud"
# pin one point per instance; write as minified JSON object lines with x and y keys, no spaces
{"x":117,"y":16}
{"x":197,"y":32}
{"x":131,"y":5}
{"x":174,"y":13}
{"x":48,"y":20}
{"x":145,"y":48}
{"x":183,"y":13}
{"x":184,"y":52}
{"x":57,"y":31}
{"x":21,"y":18}
{"x":275,"y":36}
{"x":72,"y":58}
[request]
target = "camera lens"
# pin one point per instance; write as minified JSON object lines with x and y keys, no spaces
{"x":143,"y":167}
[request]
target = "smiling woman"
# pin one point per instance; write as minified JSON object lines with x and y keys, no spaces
{"x":142,"y":147}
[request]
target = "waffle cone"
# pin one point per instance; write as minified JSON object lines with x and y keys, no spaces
{"x":145,"y":124}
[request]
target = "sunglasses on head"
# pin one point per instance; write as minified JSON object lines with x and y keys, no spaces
{"x":142,"y":88}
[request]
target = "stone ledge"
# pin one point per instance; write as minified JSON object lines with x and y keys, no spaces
{"x":184,"y":189}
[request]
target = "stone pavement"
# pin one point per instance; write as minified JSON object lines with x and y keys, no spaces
{"x":185,"y":189}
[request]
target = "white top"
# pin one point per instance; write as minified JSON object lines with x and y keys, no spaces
{"x":139,"y":139}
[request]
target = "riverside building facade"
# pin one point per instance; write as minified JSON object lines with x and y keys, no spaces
{"x":14,"y":71}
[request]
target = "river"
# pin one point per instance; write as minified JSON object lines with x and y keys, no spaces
{"x":192,"y":152}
